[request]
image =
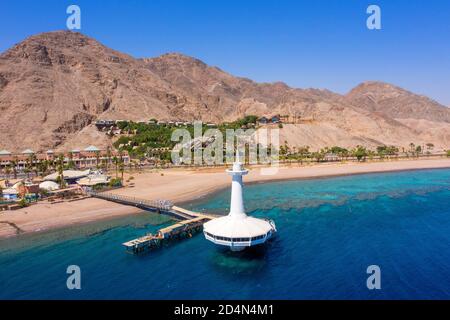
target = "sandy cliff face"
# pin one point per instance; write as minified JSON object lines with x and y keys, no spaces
{"x":53,"y":86}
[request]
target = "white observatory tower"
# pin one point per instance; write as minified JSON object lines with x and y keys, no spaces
{"x":237,"y":230}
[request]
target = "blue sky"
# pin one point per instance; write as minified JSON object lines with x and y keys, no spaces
{"x":309,"y":43}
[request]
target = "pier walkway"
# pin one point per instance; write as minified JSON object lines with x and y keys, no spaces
{"x":190,"y":222}
{"x":160,"y":206}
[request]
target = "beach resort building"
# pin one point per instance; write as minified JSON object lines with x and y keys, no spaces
{"x":90,"y":157}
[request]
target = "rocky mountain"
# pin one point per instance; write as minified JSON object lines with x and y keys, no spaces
{"x":53,"y":86}
{"x":396,"y":102}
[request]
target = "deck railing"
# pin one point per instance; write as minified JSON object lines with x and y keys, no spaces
{"x":164,"y":205}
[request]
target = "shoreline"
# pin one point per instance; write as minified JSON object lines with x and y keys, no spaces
{"x":182,"y":187}
{"x":200,"y":197}
{"x":203,"y":197}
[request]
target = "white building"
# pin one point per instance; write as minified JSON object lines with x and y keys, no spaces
{"x":237,"y":230}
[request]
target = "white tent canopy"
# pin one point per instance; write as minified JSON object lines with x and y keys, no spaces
{"x":68,"y":174}
{"x":49,"y":186}
{"x":93,"y":180}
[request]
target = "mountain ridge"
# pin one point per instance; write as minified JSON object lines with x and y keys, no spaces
{"x":54,"y":85}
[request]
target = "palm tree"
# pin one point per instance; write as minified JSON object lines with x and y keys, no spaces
{"x":28,"y":167}
{"x":14,"y":167}
{"x":286,"y":147}
{"x":27,"y":171}
{"x":103,"y":164}
{"x":60,"y":168}
{"x":136,"y":165}
{"x":7,"y":171}
{"x":43,"y":167}
{"x":97,"y":158}
{"x":116,"y":163}
{"x":34,"y":164}
{"x":302,"y":153}
{"x":360,"y":153}
{"x":418,"y":150}
{"x":121,"y":164}
{"x":108,"y":157}
{"x":122,"y":169}
{"x":319,"y":155}
{"x":299,"y":157}
{"x":71,"y":163}
{"x":51,"y":165}
{"x":130,"y":166}
{"x":412,"y":147}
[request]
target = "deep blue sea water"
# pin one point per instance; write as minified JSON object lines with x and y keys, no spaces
{"x":330,"y":231}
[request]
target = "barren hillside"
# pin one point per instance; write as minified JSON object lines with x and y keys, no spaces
{"x":53,"y":86}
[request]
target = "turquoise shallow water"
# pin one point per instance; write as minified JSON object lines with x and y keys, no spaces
{"x":330,"y":231}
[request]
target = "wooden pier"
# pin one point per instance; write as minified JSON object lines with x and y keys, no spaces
{"x":181,"y":230}
{"x":189,"y":224}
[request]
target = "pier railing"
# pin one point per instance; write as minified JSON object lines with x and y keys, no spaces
{"x":162,"y":205}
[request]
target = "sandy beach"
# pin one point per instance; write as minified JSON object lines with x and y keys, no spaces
{"x":180,"y":185}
